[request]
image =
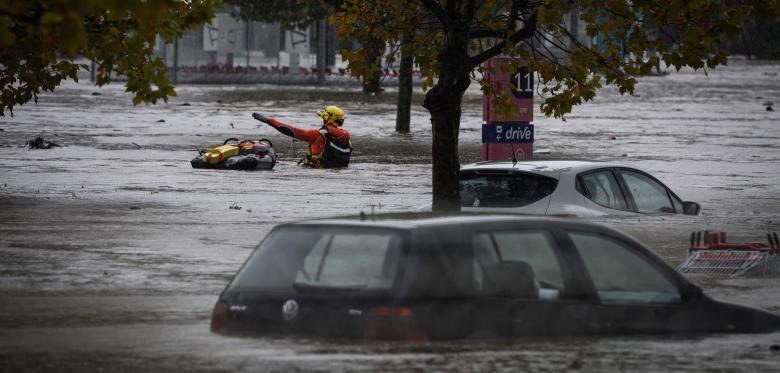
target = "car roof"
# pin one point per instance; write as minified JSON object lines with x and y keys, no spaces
{"x":543,"y":167}
{"x":413,"y":221}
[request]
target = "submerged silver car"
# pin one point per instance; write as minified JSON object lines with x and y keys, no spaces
{"x":572,"y":188}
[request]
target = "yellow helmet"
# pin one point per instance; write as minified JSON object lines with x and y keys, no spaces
{"x":332,"y":114}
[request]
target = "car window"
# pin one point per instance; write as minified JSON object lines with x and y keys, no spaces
{"x":323,"y":257}
{"x":352,"y":260}
{"x":519,"y":264}
{"x":602,"y":188}
{"x":503,"y":189}
{"x":649,"y":195}
{"x":619,"y":274}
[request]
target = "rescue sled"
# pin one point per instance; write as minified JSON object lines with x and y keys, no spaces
{"x":248,"y":155}
{"x":710,"y":255}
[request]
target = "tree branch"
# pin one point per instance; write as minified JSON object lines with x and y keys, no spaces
{"x":510,"y":21}
{"x":580,"y":46}
{"x":526,"y":32}
{"x":486,"y":33}
{"x":436,"y":10}
{"x":471,"y":9}
{"x":667,"y":34}
{"x":555,"y":40}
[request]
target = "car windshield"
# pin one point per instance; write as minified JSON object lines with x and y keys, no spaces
{"x":309,"y":259}
{"x":502,"y":189}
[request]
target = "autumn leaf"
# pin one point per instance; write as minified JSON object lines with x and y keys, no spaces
{"x":119,"y":35}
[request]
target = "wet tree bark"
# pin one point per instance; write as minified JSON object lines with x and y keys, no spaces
{"x":371,"y":84}
{"x":322,"y":61}
{"x":443,"y":101}
{"x":403,"y":113}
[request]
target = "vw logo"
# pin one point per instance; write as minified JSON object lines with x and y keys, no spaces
{"x":290,"y":309}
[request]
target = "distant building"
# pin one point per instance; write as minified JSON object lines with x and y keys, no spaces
{"x":230,"y":42}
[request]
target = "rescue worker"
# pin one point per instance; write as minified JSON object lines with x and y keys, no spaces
{"x":329,"y":147}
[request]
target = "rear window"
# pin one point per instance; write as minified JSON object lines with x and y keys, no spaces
{"x":323,"y":258}
{"x":501,"y":189}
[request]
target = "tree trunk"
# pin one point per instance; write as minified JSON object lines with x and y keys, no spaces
{"x":175,"y":61}
{"x":371,"y":84}
{"x":745,"y":42}
{"x":443,"y":102}
{"x":403,"y":113}
{"x":322,"y":62}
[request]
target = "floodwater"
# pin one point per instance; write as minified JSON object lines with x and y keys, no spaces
{"x":113,"y":249}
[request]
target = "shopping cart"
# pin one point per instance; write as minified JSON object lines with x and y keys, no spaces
{"x":710,"y":255}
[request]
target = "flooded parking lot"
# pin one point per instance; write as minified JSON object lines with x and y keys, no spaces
{"x":113,"y":249}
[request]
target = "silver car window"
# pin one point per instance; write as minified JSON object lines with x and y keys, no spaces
{"x":620,"y":275}
{"x":501,"y":189}
{"x":649,"y":196}
{"x":602,"y":188}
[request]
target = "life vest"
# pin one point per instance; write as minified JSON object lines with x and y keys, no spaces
{"x":238,"y":155}
{"x":334,"y":154}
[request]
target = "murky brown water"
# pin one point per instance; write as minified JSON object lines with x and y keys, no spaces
{"x":113,"y":249}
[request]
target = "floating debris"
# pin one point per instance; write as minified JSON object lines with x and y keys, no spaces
{"x":161,"y":121}
{"x":40,"y":143}
{"x":185,"y":104}
{"x":235,"y":206}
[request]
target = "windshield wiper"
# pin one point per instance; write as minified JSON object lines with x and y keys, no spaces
{"x":303,"y":287}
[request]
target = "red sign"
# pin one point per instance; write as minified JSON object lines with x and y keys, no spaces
{"x":508,"y":136}
{"x":497,"y":151}
{"x":516,"y":82}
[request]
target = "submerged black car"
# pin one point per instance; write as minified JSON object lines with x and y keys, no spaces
{"x":465,"y":276}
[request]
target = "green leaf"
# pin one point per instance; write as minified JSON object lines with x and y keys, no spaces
{"x":38,"y":52}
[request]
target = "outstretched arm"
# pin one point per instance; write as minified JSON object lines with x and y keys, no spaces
{"x":309,"y":136}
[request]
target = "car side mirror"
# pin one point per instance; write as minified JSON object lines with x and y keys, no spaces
{"x":691,"y":208}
